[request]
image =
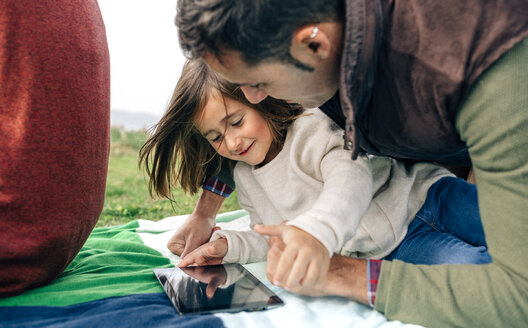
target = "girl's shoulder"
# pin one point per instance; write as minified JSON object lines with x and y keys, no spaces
{"x":314,"y":121}
{"x":314,"y":132}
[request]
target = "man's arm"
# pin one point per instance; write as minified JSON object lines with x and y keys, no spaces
{"x":494,"y":124}
{"x":199,"y":226}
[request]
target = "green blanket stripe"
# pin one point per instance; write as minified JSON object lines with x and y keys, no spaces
{"x":230,"y":216}
{"x":117,"y":264}
{"x":109,"y":232}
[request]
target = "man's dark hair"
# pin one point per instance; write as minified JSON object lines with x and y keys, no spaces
{"x":258,"y":29}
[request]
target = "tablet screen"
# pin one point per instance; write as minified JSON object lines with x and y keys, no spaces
{"x":215,"y":288}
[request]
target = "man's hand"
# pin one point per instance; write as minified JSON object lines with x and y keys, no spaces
{"x":193,"y":233}
{"x":198,"y":228}
{"x":347,"y":277}
{"x":303,"y":262}
{"x":210,"y":253}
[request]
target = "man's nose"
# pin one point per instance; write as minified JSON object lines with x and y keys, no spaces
{"x":253,"y":95}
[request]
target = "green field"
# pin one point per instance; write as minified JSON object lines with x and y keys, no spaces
{"x":127,"y":197}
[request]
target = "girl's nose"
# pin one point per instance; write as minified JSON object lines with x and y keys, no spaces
{"x":232,"y":143}
{"x":253,"y":95}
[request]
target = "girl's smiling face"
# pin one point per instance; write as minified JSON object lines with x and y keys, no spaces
{"x":235,"y":130}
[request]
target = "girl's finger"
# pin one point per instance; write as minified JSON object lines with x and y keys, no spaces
{"x":193,"y":257}
{"x":298,"y":272}
{"x":188,"y":260}
{"x":313,"y":274}
{"x":284,"y":266}
{"x":272,"y":260}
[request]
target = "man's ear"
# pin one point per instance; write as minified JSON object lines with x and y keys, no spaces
{"x":311,"y":41}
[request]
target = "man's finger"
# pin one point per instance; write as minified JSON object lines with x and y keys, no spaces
{"x":176,"y":245}
{"x":189,"y":244}
{"x":186,"y":250}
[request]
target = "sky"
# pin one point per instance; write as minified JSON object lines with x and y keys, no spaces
{"x":145,"y":56}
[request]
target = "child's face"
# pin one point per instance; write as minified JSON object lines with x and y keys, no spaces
{"x":235,"y":130}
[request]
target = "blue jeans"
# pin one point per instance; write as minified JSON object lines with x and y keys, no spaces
{"x":447,"y":229}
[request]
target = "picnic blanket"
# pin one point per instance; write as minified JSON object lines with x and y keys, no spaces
{"x":111,"y":284}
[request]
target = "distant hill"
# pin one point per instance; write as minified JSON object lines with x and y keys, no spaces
{"x":131,"y":120}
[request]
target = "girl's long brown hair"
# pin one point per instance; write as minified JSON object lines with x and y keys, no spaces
{"x":176,"y":153}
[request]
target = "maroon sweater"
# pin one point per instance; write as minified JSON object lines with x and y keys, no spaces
{"x":54,"y":136}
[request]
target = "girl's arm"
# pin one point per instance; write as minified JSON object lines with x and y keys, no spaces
{"x":244,"y":246}
{"x":348,"y":188}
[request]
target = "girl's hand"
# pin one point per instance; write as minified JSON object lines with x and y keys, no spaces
{"x":304,"y":261}
{"x":209,"y":253}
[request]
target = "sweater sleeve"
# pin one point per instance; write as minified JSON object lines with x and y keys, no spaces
{"x":494,"y":124}
{"x":244,"y":246}
{"x":347,"y":191}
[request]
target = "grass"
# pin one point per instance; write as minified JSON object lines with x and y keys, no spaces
{"x":127,"y":197}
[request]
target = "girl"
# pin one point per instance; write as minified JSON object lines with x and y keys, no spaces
{"x":290,"y":168}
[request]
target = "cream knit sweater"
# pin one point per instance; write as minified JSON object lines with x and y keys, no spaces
{"x":357,"y":208}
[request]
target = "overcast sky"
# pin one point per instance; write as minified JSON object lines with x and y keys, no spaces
{"x":145,"y":56}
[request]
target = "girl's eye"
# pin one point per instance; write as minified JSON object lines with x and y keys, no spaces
{"x":216,"y":139}
{"x":237,"y":123}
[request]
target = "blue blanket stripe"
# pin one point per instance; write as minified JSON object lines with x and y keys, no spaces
{"x":139,"y":310}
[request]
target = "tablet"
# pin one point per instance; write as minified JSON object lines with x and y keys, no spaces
{"x":215,"y":288}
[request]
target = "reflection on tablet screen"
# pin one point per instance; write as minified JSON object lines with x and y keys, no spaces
{"x":224,"y":287}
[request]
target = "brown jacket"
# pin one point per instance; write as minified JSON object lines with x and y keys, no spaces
{"x":408,"y":65}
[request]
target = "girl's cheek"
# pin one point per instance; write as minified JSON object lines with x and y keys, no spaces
{"x":261,"y":128}
{"x":221,"y":150}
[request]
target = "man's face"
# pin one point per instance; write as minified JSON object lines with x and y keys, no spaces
{"x":277,"y":79}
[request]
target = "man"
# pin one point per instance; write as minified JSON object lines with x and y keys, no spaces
{"x":54,"y":136}
{"x":415,"y":80}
